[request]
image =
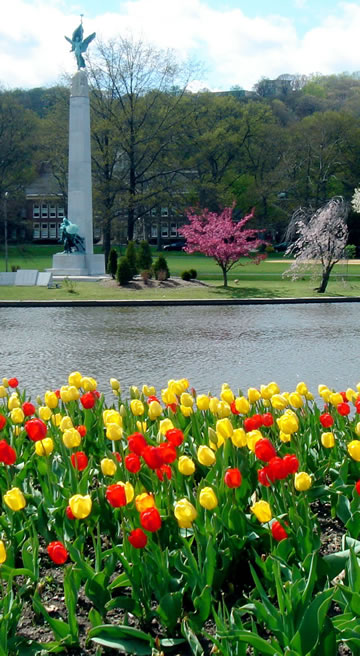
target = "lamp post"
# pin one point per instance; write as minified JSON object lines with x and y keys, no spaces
{"x":5,"y":229}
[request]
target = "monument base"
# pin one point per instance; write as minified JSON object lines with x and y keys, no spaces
{"x":78,"y":264}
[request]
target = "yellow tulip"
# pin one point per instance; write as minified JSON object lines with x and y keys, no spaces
{"x":88,"y":384}
{"x":44,"y":412}
{"x":2,"y":552}
{"x":253,"y":394}
{"x":309,"y":396}
{"x":284,"y":437}
{"x":357,"y":429}
{"x":80,"y":505}
{"x":51,"y":400}
{"x":302,"y":481}
{"x":44,"y":447}
{"x":65,"y":394}
{"x":168,"y":396}
{"x":13,"y":402}
{"x":17,"y":416}
{"x":207,"y":498}
{"x":262,"y":511}
{"x":295,"y":400}
{"x":154,"y":410}
{"x":288,"y":422}
{"x":66,"y":423}
{"x":108,"y":466}
{"x":3,"y":392}
{"x":14,"y":499}
{"x":71,"y":438}
{"x":144,"y":501}
{"x":141,"y":426}
{"x":56,"y":419}
{"x":328,"y":440}
{"x":202,"y":402}
{"x":185,"y":513}
{"x":137,"y":407}
{"x":186,"y":466}
{"x":112,"y":417}
{"x":227,"y":395}
{"x":114,"y":384}
{"x":302,"y":389}
{"x":114,"y":432}
{"x":205,"y":456}
{"x":165,"y":425}
{"x":187,"y":400}
{"x":129,"y":490}
{"x":75,"y":378}
{"x":351,"y":395}
{"x":5,"y":382}
{"x":242,"y":405}
{"x":279,"y":402}
{"x":273,"y":388}
{"x":239,"y":438}
{"x":224,"y":428}
{"x":251,"y":438}
{"x":354,"y":450}
{"x":335,"y":398}
{"x":73,"y":393}
{"x":223,"y":410}
{"x":148,"y":390}
{"x":185,"y":410}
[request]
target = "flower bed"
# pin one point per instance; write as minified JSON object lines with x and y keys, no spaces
{"x":172,"y":511}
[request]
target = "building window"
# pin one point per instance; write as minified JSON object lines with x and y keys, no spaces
{"x":44,"y":230}
{"x":44,"y":211}
{"x":36,"y":211}
{"x":36,"y":231}
{"x":153,"y":211}
{"x":52,"y":211}
{"x":164,"y":230}
{"x":164,"y":211}
{"x":154,"y":230}
{"x":52,"y":230}
{"x":60,"y":212}
{"x":173,"y":230}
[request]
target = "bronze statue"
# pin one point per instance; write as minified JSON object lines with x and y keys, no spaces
{"x":79,"y":44}
{"x":69,"y":235}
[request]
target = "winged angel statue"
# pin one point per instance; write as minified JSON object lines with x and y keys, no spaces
{"x":79,"y":44}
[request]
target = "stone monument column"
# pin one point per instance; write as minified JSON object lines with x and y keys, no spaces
{"x":78,"y":257}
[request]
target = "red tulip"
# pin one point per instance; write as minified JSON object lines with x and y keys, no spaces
{"x":267,"y":419}
{"x":343,"y":394}
{"x":138,"y":538}
{"x":278,"y":531}
{"x":264,"y":477}
{"x":28,"y":409}
{"x":13,"y":382}
{"x":87,"y":400}
{"x":357,"y":486}
{"x":57,"y":552}
{"x":277,"y":469}
{"x":175,"y":436}
{"x":172,"y":406}
{"x":265,"y":450}
{"x":326,"y":420}
{"x":233,"y":477}
{"x":291,"y":463}
{"x":253,"y":423}
{"x":137,"y":443}
{"x":57,"y":392}
{"x":164,"y":470}
{"x":7,"y":453}
{"x":150,"y":399}
{"x":117,"y":455}
{"x":115,"y":495}
{"x":152,"y":456}
{"x":132,"y":463}
{"x":79,"y":460}
{"x":36,"y":429}
{"x":168,"y":452}
{"x":343,"y":409}
{"x":69,"y":513}
{"x":81,"y":429}
{"x":150,"y":519}
{"x":233,"y":408}
{"x":2,"y":421}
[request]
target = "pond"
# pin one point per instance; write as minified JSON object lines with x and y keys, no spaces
{"x":242,"y":345}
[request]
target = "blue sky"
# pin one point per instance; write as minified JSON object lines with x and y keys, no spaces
{"x":239,"y":41}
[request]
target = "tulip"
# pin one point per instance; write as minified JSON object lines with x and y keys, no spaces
{"x":75,"y":379}
{"x":164,"y":471}
{"x":224,"y":428}
{"x":138,"y":538}
{"x":2,"y":421}
{"x":87,"y":400}
{"x":205,"y":456}
{"x":115,"y":495}
{"x":288,"y":422}
{"x":262,"y":511}
{"x":7,"y":453}
{"x":129,"y":490}
{"x":168,"y":396}
{"x":277,"y":469}
{"x":176,"y":387}
{"x":3,"y":392}
{"x":132,"y":463}
{"x":36,"y":429}
{"x":239,"y":438}
{"x":152,"y":456}
{"x":80,"y":505}
{"x":88,"y":384}
{"x":51,"y":400}
{"x":137,"y":443}
{"x":112,"y":417}
{"x":168,"y":452}
{"x":302,"y":481}
{"x":57,"y":552}
{"x":154,"y":410}
{"x":278,"y":531}
{"x":291,"y":463}
{"x":28,"y":409}
{"x":71,"y":438}
{"x":302,"y":389}
{"x":267,"y":419}
{"x":150,"y":519}
{"x":175,"y":436}
{"x":253,"y":423}
{"x":44,"y":447}
{"x":227,"y":395}
{"x":357,"y":486}
{"x":335,"y":398}
{"x":202,"y":402}
{"x":265,"y":392}
{"x":187,"y":400}
{"x":354,"y":450}
{"x":148,"y":390}
{"x":14,"y":499}
{"x":13,"y":382}
{"x":279,"y":402}
{"x":165,"y":425}
{"x":79,"y":460}
{"x":114,"y":384}
{"x":186,"y":466}
{"x":265,"y":450}
{"x":144,"y":501}
{"x":185,"y":513}
{"x":207,"y":498}
{"x":108,"y":467}
{"x":295,"y":400}
{"x":137,"y":407}
{"x":284,"y":437}
{"x":114,"y":432}
{"x":66,"y":423}
{"x":251,"y":439}
{"x":213,"y":405}
{"x":328,"y":440}
{"x":326,"y":420}
{"x":253,"y":394}
{"x":141,"y":426}
{"x":2,"y":552}
{"x":242,"y":405}
{"x":185,"y":410}
{"x":343,"y":409}
{"x":5,"y":382}
{"x":233,"y":477}
{"x":44,"y":413}
{"x":223,"y":409}
{"x":17,"y":416}
{"x":13,"y":402}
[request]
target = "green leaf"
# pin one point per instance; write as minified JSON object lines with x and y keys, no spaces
{"x":193,"y":642}
{"x":343,"y":509}
{"x":202,"y":604}
{"x":169,"y":609}
{"x":71,"y":591}
{"x":128,"y":646}
{"x":312,"y":622}
{"x":115,"y":632}
{"x":264,"y":647}
{"x":121,"y":581}
{"x":60,"y":629}
{"x":96,"y":590}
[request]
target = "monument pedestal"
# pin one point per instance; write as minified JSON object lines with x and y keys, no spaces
{"x":78,"y":264}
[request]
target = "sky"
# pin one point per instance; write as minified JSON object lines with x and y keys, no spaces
{"x":237,"y":41}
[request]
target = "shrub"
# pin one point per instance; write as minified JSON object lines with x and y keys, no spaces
{"x":193,"y":273}
{"x":269,"y":248}
{"x":112,"y":263}
{"x":186,"y":275}
{"x":350,"y":251}
{"x":161,"y":265}
{"x":123,"y":273}
{"x":130,"y":254}
{"x":144,"y":257}
{"x":146,"y":275}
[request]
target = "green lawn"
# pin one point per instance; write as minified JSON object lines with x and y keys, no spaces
{"x":252,"y":281}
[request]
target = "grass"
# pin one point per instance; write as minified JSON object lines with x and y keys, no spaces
{"x":252,"y":281}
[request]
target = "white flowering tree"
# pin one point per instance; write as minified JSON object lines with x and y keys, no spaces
{"x":355,"y":202}
{"x":318,"y":238}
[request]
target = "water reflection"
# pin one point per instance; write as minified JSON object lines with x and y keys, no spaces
{"x":242,"y":345}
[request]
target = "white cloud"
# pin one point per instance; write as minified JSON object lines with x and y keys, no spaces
{"x":235,"y":48}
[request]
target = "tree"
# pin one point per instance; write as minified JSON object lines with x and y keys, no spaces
{"x":217,"y":235}
{"x":321,"y":237}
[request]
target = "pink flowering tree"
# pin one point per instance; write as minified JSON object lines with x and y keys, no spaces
{"x":219,"y":236}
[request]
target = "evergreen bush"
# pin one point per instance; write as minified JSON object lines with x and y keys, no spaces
{"x":112,"y":263}
{"x":130,"y":254}
{"x":123,"y":273}
{"x":193,"y":273}
{"x":161,"y":265}
{"x":186,"y":275}
{"x":144,"y":256}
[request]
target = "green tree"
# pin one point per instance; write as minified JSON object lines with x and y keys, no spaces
{"x":144,"y":256}
{"x":130,"y":255}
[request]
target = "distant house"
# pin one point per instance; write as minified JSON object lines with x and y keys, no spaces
{"x":45,"y":206}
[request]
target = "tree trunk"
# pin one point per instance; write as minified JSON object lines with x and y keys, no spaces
{"x":324,"y":281}
{"x":224,"y":272}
